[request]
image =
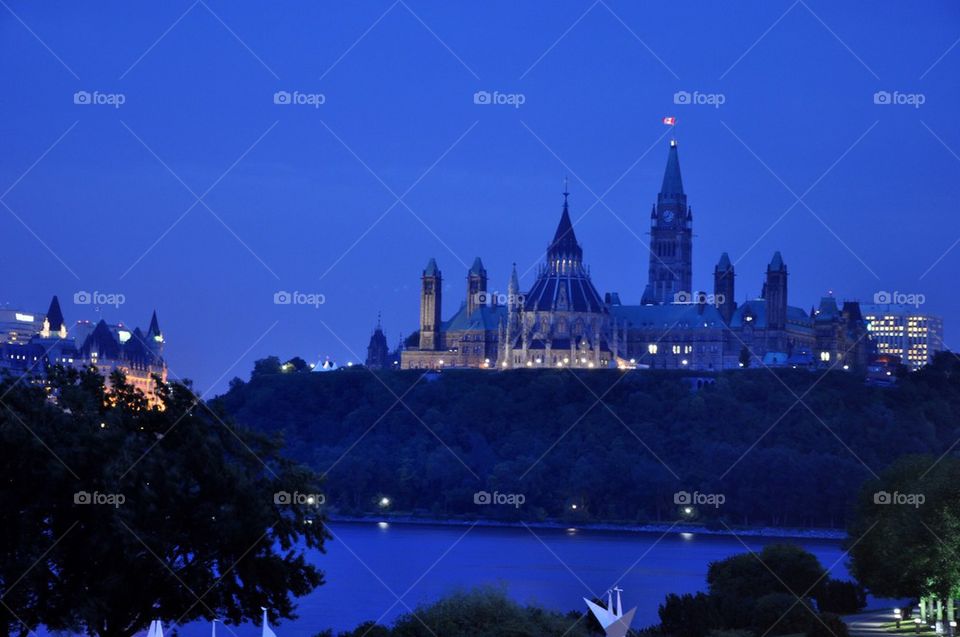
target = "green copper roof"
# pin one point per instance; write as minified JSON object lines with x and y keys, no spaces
{"x":724,"y":263}
{"x":828,"y":308}
{"x":484,"y":317}
{"x":477,"y":267}
{"x":668,"y":316}
{"x":776,"y":263}
{"x":432,"y":269}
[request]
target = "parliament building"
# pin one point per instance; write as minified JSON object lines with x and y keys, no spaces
{"x":563,"y":321}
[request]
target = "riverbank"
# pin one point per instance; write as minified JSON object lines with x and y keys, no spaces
{"x":661,"y":529}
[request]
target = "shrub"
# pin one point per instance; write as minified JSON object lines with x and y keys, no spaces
{"x":842,"y":597}
{"x":781,"y":614}
{"x":830,"y":625}
{"x":688,"y":615}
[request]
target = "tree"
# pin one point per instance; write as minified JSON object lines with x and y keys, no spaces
{"x":905,"y":532}
{"x":738,"y":582}
{"x":778,"y":568}
{"x":295,"y":364}
{"x":31,"y":483}
{"x":162,"y":511}
{"x":265,"y":367}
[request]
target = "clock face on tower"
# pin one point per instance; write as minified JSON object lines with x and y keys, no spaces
{"x":667,"y":216}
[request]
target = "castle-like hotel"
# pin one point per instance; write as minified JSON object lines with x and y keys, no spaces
{"x":32,"y":343}
{"x":562,"y":321}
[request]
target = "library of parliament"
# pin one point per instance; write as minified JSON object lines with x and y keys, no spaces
{"x":562,"y":321}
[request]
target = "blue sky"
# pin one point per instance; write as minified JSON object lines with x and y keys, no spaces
{"x":859,"y":197}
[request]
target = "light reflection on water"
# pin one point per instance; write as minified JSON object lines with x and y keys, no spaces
{"x":552,"y":567}
{"x":369,"y":564}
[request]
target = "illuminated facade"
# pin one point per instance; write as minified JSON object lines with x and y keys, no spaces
{"x":562,"y":321}
{"x":29,"y":347}
{"x":906,"y":332}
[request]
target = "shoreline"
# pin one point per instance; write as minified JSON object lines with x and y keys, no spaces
{"x":659,"y":528}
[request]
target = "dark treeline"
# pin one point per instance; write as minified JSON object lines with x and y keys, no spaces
{"x":545,"y":434}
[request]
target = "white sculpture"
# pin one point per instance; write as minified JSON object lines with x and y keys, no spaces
{"x":614,"y":622}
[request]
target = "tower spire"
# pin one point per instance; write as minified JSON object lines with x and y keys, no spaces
{"x":564,"y":246}
{"x":672,"y":183}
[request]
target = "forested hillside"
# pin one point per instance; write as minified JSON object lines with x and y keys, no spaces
{"x":788,"y":448}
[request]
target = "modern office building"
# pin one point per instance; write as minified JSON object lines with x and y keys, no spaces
{"x":904,"y":331}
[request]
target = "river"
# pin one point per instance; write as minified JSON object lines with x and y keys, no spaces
{"x":368,"y":565}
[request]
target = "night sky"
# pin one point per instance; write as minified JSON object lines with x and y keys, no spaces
{"x":349,"y":199}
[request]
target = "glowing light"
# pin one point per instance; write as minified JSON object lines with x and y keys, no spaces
{"x":384,"y":502}
{"x":383,"y":525}
{"x":688,"y":510}
{"x":26,"y":318}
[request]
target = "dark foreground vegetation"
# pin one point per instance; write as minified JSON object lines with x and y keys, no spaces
{"x":786,"y":448}
{"x":116,"y":511}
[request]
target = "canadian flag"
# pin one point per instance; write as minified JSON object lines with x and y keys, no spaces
{"x":670,"y":121}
